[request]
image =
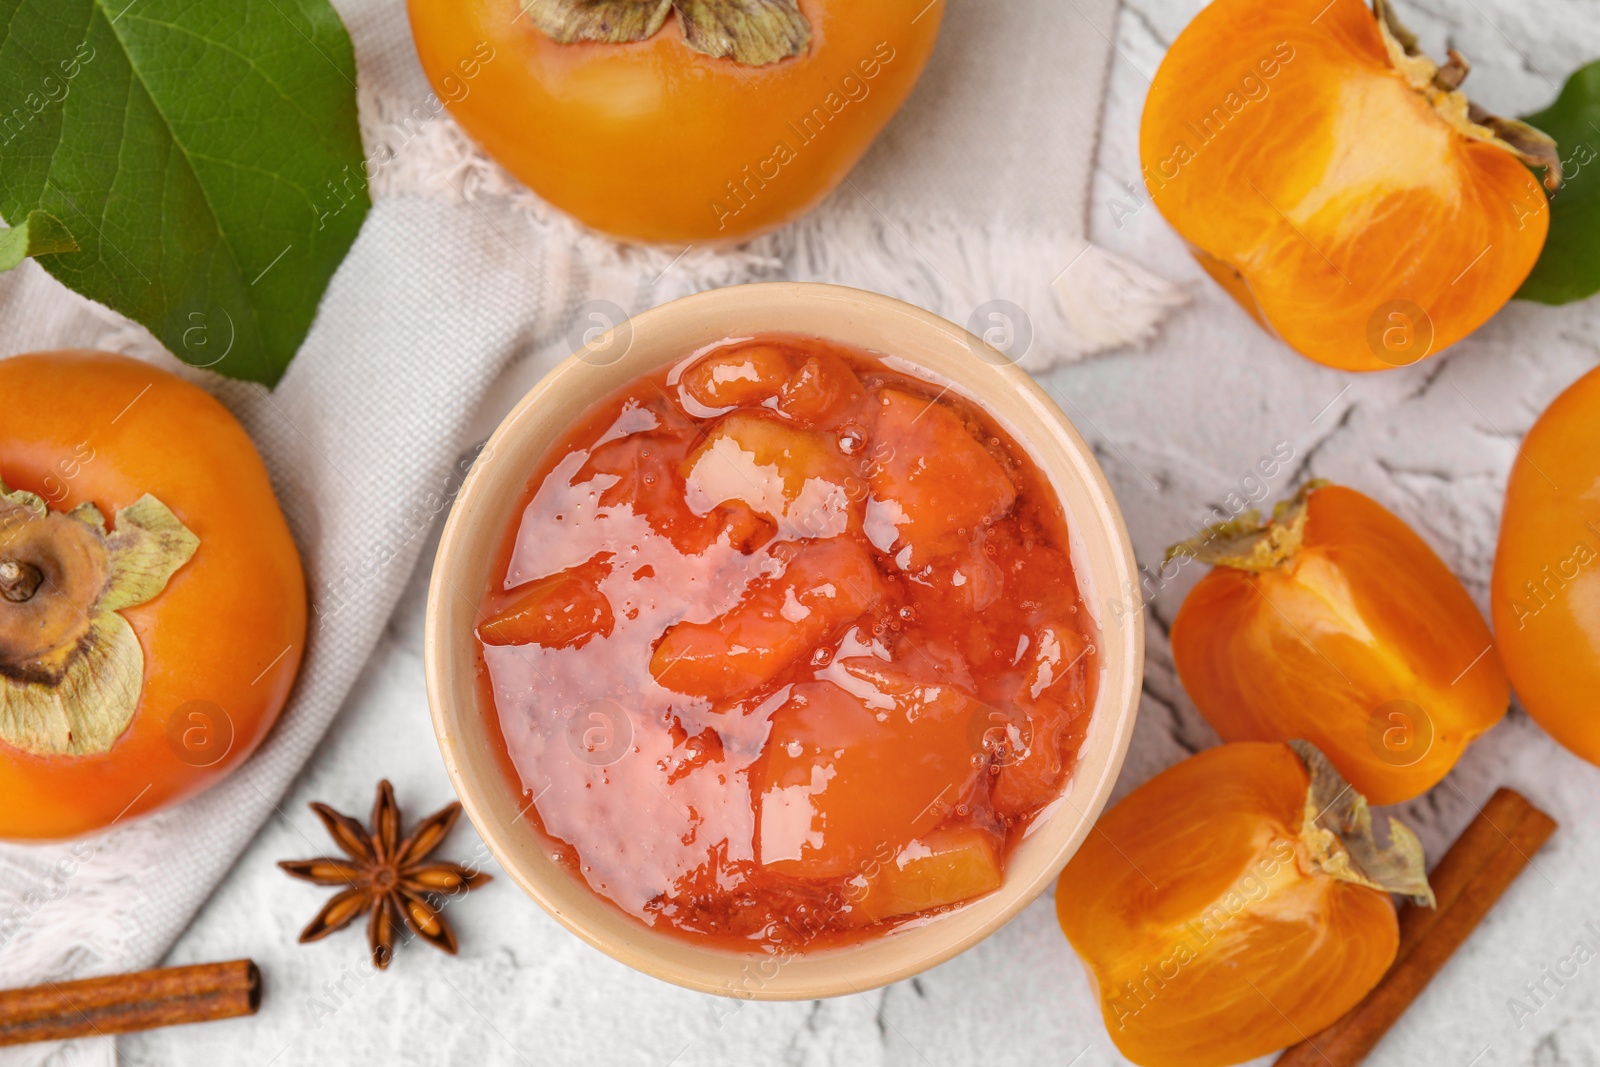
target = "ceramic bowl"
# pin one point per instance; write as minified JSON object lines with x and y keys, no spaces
{"x":1101,"y":553}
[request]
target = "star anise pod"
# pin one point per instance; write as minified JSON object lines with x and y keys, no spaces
{"x":385,"y":878}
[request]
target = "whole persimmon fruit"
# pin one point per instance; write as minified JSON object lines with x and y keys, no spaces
{"x":675,"y":120}
{"x":1235,"y":903}
{"x":1337,"y":183}
{"x":1546,"y":585}
{"x":1334,"y":622}
{"x":152,"y":605}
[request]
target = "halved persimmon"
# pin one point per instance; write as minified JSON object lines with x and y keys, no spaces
{"x":1235,"y":903}
{"x":1336,"y":623}
{"x":1337,"y":182}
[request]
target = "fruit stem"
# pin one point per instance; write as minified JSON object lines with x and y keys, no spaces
{"x":19,"y":580}
{"x":1450,"y":76}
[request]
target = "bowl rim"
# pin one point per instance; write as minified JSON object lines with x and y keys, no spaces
{"x":1116,"y":704}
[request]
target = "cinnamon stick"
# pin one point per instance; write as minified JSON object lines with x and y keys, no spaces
{"x":1478,"y":869}
{"x":119,"y":1003}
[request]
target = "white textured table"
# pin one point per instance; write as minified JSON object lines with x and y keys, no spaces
{"x":1177,"y":426}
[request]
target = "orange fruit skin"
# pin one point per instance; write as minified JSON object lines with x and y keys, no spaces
{"x":1545,"y":593}
{"x":228,"y":629}
{"x":1327,"y":196}
{"x":1362,"y":643}
{"x":654,"y":142}
{"x":1209,"y":940}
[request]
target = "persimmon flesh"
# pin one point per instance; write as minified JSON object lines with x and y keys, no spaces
{"x":1546,"y":586}
{"x":1335,"y":182}
{"x":1336,"y":623}
{"x":653,"y":140}
{"x":97,"y":450}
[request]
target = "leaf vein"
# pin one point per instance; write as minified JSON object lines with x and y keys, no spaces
{"x":205,"y":192}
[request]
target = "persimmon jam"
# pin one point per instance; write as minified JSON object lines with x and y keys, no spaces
{"x":784,"y":646}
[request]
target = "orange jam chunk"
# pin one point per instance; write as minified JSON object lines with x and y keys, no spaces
{"x":859,"y":768}
{"x":796,"y":478}
{"x":559,"y":611}
{"x":936,"y":487}
{"x":949,"y":865}
{"x":785,"y":647}
{"x":822,"y":387}
{"x":825,"y":586}
{"x":740,"y":376}
{"x":805,"y":386}
{"x":640,"y":471}
{"x":1050,"y":699}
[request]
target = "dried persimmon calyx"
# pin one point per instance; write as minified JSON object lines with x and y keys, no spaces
{"x":1248,"y":543}
{"x":752,"y":32}
{"x":1441,"y":85}
{"x":71,"y":667}
{"x":608,"y":21}
{"x":1338,"y":839}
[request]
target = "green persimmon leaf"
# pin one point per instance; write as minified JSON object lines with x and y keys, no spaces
{"x":1569,"y":267}
{"x":204,"y":154}
{"x":40,"y":234}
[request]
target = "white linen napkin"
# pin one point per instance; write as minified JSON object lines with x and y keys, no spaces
{"x":972,"y":204}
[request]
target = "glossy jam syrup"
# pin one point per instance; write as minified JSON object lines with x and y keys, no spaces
{"x":785,"y":645}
